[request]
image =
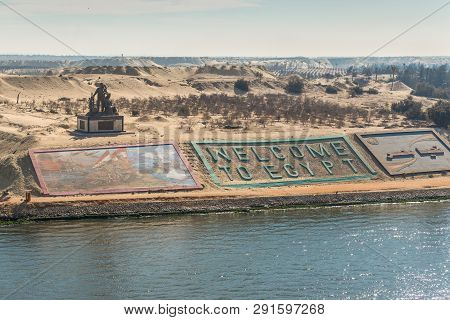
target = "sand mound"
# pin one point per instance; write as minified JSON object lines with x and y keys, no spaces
{"x":16,"y":170}
{"x":120,"y":70}
{"x":10,"y":174}
{"x":117,"y":70}
{"x":161,"y":119}
{"x":42,"y":87}
{"x":341,"y":85}
{"x":399,"y":86}
{"x":233,"y":70}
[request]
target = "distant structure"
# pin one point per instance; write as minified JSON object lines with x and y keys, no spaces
{"x":102,"y":117}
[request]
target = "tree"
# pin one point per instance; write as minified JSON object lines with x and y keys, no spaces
{"x":295,"y":85}
{"x":410,"y":108}
{"x":440,"y":113}
{"x":242,"y":85}
{"x":331,"y":90}
{"x":356,"y":91}
{"x":424,"y":90}
{"x":367,"y":71}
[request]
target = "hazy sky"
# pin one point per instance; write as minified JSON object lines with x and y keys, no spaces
{"x":225,"y":27}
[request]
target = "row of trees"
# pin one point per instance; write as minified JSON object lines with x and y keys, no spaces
{"x":433,"y":81}
{"x":295,"y":85}
{"x":413,"y":110}
{"x":250,"y":107}
{"x":428,"y":82}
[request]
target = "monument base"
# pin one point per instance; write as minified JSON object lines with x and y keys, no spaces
{"x":100,"y":124}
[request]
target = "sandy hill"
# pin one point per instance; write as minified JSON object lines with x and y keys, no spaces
{"x":235,"y":70}
{"x":115,"y":62}
{"x":16,"y":171}
{"x":42,"y":87}
{"x":135,"y":81}
{"x":119,"y":70}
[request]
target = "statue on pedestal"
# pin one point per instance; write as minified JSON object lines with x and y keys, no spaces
{"x":103,"y":105}
{"x":102,"y":115}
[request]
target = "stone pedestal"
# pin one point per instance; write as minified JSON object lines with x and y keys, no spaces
{"x":100,"y":123}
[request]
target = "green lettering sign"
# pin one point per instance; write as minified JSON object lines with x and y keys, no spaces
{"x":273,"y":174}
{"x":244,"y":174}
{"x":307,"y":167}
{"x":239,"y":151}
{"x":221,"y":153}
{"x":339,"y":148}
{"x":277,"y":152}
{"x":322,"y":151}
{"x":328,"y":165}
{"x":227,"y":170}
{"x":349,"y":162}
{"x":296,"y":152}
{"x":282,"y":162}
{"x":258,"y":156}
{"x":290,"y":170}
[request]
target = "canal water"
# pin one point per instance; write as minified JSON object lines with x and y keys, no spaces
{"x":360,"y":252}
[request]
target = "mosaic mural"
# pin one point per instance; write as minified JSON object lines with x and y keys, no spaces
{"x":282,"y":162}
{"x":411,"y":151}
{"x":112,"y":169}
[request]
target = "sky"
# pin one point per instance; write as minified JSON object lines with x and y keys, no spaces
{"x":275,"y":28}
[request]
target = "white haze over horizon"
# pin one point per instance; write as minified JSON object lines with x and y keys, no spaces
{"x":252,"y":28}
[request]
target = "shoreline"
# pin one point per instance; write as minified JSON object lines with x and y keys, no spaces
{"x":36,"y":211}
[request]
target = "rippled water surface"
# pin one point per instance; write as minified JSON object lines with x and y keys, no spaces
{"x":382,"y":251}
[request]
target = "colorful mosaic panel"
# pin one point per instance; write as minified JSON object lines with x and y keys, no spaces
{"x":112,"y":169}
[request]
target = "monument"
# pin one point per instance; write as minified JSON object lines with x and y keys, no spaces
{"x":102,"y":117}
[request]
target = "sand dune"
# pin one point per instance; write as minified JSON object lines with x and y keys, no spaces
{"x":134,"y":81}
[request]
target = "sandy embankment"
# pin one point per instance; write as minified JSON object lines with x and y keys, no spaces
{"x":228,"y":200}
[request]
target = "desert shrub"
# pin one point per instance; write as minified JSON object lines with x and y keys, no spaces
{"x":441,"y":93}
{"x":424,"y":90}
{"x":64,"y":126}
{"x":356,"y":91}
{"x":184,"y":111}
{"x":295,"y":85}
{"x":258,"y":74}
{"x":331,"y":90}
{"x":372,"y":91}
{"x":361,"y":82}
{"x":440,"y":113}
{"x":242,"y":85}
{"x":231,"y":123}
{"x":68,"y":110}
{"x":410,"y":108}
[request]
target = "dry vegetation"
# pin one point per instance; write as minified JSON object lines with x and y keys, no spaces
{"x":236,"y":110}
{"x":220,"y":110}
